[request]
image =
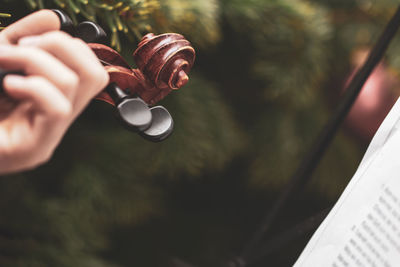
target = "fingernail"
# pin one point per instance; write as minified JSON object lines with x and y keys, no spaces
{"x":14,"y":81}
{"x":31,"y":40}
{"x":5,"y":49}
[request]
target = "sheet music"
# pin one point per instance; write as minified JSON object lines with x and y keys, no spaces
{"x":363,"y":228}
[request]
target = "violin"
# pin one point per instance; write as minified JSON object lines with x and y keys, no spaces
{"x":163,"y":61}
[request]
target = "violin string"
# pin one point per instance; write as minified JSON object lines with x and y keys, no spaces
{"x":105,"y":63}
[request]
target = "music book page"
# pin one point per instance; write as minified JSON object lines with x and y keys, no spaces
{"x":363,"y":228}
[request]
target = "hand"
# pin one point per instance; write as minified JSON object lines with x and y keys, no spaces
{"x":62,"y":76}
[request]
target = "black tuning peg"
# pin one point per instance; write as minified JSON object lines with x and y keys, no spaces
{"x":161,"y":127}
{"x":133,"y":112}
{"x":88,"y":31}
{"x":67,"y":25}
{"x":91,"y":32}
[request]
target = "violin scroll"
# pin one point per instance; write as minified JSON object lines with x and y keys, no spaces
{"x":165,"y":59}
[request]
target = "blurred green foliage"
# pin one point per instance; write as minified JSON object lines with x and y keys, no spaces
{"x":267,"y":76}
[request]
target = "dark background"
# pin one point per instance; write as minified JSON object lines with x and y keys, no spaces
{"x":268,"y":74}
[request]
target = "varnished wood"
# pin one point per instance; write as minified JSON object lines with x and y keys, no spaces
{"x":163,"y":61}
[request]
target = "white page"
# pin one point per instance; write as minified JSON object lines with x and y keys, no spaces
{"x":363,"y":228}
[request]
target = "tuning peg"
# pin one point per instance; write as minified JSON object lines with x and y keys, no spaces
{"x":91,"y":32}
{"x":88,"y":31}
{"x":67,"y":25}
{"x":132,"y":111}
{"x":161,"y":127}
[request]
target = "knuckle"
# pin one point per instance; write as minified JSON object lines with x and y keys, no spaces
{"x":49,"y":41}
{"x":43,"y":156}
{"x":32,"y":56}
{"x":29,"y":53}
{"x":79,"y":44}
{"x":15,"y":150}
{"x":36,"y":81}
{"x":69,"y":81}
{"x":63,"y":113}
{"x":42,"y":159}
{"x":96,"y":73}
{"x":101,"y":77}
{"x":55,"y":38}
{"x":30,"y":155}
{"x":96,"y":78}
{"x":47,"y":156}
{"x":79,"y":41}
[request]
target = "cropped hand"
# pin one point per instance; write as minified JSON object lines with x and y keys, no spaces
{"x":62,"y":76}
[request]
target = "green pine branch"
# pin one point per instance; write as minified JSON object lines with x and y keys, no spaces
{"x":135,"y":18}
{"x":4,"y":15}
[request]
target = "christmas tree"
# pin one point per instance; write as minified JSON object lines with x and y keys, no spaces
{"x":267,"y":76}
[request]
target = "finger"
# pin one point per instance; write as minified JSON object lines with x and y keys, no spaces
{"x":42,"y":93}
{"x":34,"y":61}
{"x":21,"y":146}
{"x":74,"y":53}
{"x":36,"y":124}
{"x":36,"y":23}
{"x":21,"y":112}
{"x":15,"y":138}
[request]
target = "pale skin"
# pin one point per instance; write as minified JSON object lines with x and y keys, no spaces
{"x":62,"y":76}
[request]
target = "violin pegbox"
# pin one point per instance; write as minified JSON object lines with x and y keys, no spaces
{"x":163,"y":64}
{"x":163,"y":61}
